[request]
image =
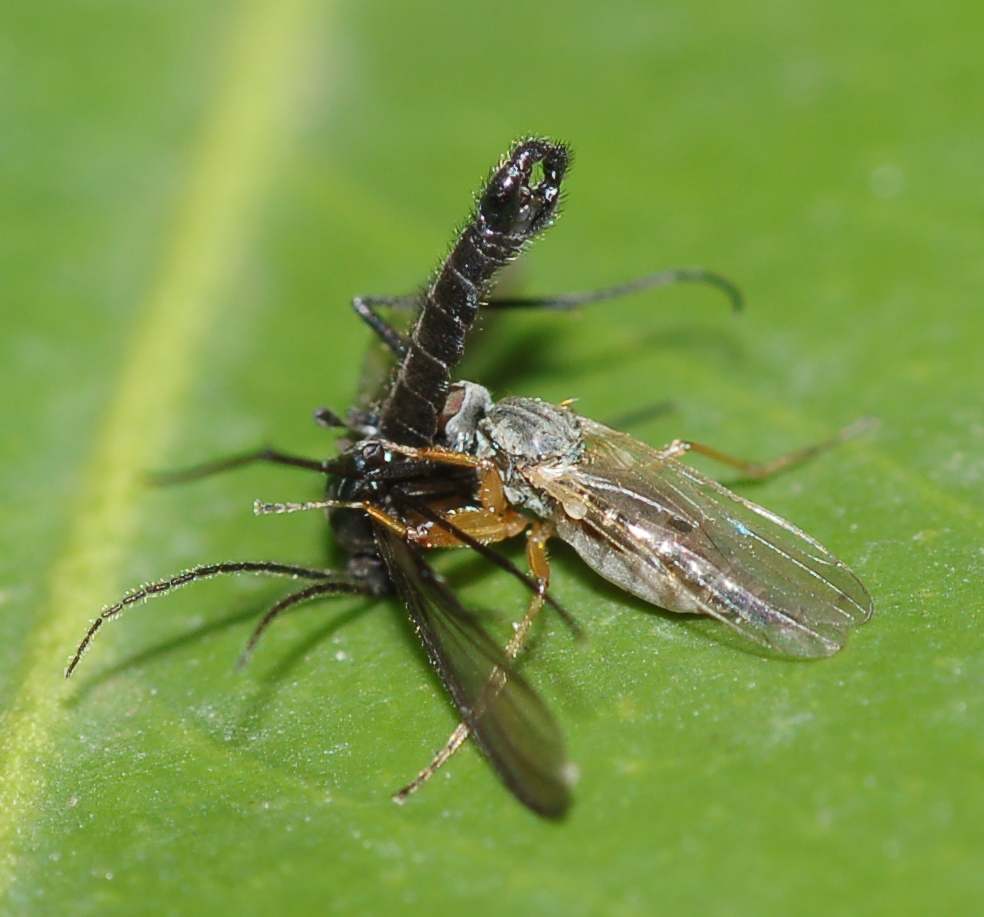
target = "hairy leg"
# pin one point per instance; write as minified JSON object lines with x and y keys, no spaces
{"x":316,"y":590}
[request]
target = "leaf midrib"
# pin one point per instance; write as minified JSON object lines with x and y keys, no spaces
{"x":229,"y":169}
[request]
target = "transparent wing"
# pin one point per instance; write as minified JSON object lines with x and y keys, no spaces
{"x":673,"y":536}
{"x":512,"y":726}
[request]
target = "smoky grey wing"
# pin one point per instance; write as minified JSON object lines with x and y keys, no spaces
{"x":510,"y":723}
{"x":729,"y":557}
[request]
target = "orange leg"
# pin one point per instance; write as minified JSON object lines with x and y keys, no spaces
{"x":494,"y":521}
{"x":483,"y":525}
{"x":539,"y":563}
{"x":760,"y":470}
{"x":434,"y":454}
{"x":490,"y":492}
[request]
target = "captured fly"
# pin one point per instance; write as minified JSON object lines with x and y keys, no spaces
{"x":668,"y":534}
{"x":657,"y":528}
{"x":425,"y":464}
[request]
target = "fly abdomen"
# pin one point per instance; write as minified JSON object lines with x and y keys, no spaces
{"x":437,"y":341}
{"x":511,"y":211}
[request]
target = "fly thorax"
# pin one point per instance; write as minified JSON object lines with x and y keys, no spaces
{"x":528,"y":438}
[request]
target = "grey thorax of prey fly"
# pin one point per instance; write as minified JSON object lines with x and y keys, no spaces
{"x":515,"y":433}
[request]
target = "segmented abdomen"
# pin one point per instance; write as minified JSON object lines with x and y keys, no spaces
{"x":437,"y":341}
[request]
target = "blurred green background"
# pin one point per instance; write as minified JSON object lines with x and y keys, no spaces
{"x":193,"y":192}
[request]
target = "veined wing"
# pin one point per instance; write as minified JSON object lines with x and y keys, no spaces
{"x":673,"y":536}
{"x":511,"y":724}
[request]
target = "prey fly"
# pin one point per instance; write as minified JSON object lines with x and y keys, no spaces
{"x":427,"y":463}
{"x":655,"y":527}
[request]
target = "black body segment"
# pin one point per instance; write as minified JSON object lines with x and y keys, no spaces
{"x":512,"y":209}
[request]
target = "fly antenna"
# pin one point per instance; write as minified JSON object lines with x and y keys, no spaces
{"x":204,"y":571}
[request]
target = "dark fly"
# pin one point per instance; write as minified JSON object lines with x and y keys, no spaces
{"x":407,"y":480}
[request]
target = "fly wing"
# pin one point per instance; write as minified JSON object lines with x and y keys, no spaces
{"x":677,"y":537}
{"x":512,"y":726}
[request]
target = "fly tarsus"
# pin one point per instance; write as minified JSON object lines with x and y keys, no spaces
{"x":539,"y":564}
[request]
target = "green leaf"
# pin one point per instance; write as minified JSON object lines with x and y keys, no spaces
{"x":195,"y":191}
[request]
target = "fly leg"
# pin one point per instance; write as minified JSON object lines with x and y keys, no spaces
{"x":254,"y":456}
{"x":567,"y":301}
{"x":756,"y":471}
{"x":365,"y":307}
{"x":539,"y":564}
{"x":492,"y":522}
{"x":437,"y":455}
{"x":486,"y":526}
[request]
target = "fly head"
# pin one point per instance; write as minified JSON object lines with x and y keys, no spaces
{"x":467,"y":403}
